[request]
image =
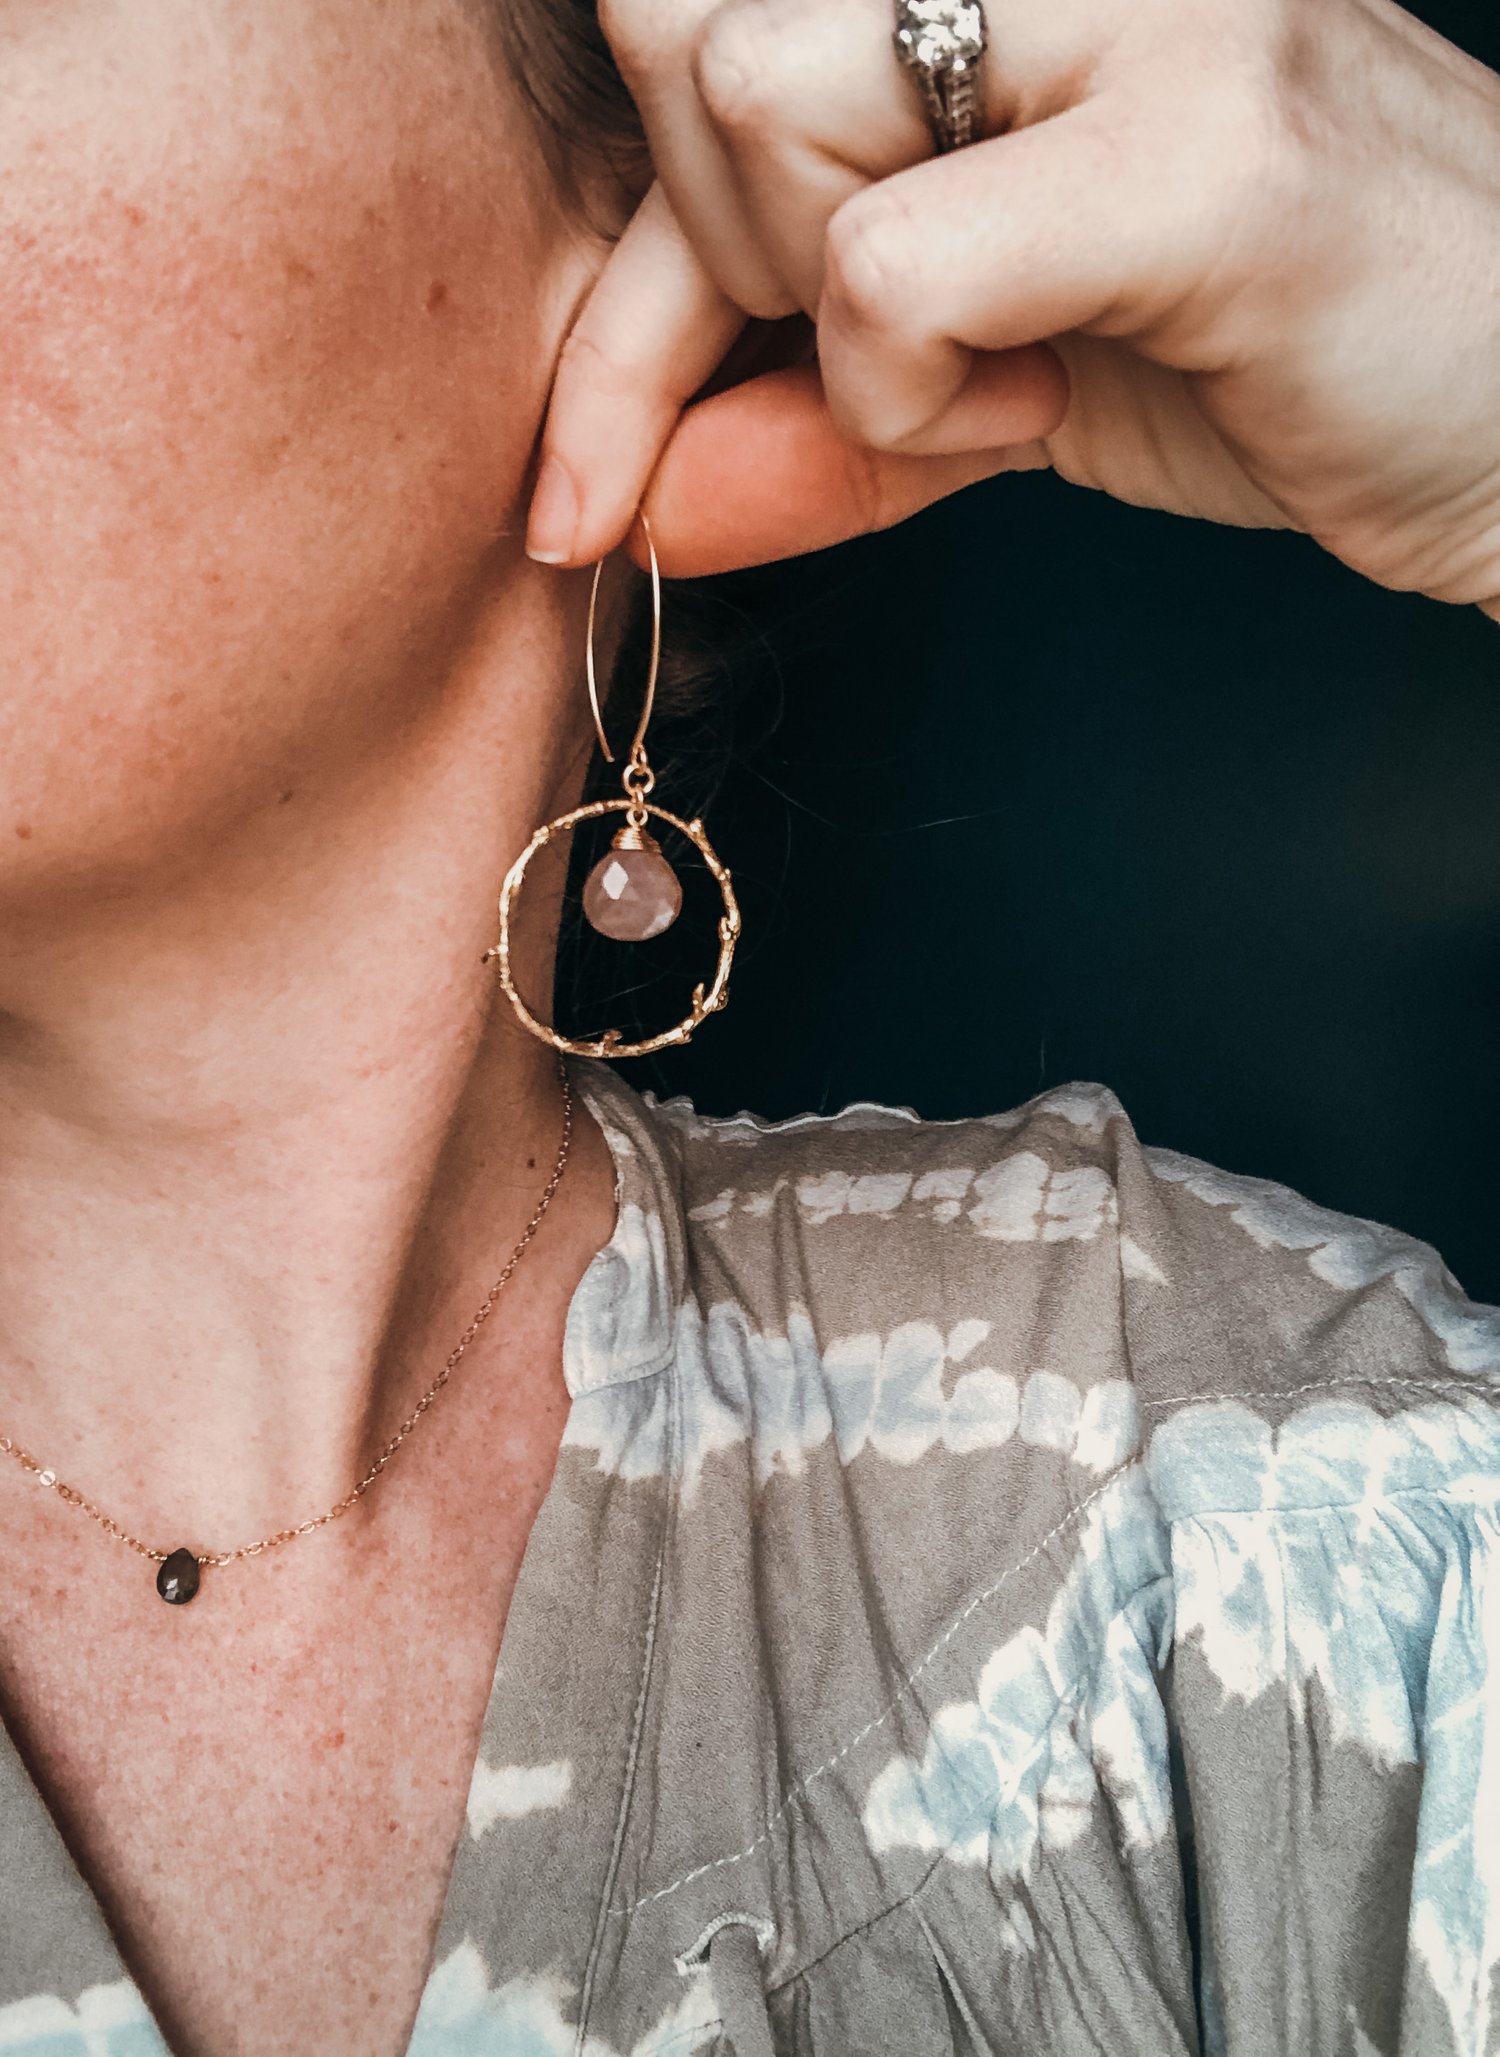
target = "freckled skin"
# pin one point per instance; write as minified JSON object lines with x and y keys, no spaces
{"x":294,"y":1817}
{"x":271,"y":378}
{"x":282,"y":288}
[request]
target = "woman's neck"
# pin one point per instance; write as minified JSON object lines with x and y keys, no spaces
{"x":261,"y":1142}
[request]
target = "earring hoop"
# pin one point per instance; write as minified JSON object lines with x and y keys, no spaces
{"x":632,"y":893}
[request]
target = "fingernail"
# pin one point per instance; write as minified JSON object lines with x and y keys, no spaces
{"x":554,"y":516}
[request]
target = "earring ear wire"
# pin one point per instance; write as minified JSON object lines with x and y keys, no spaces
{"x":632,"y":893}
{"x":648,"y":703}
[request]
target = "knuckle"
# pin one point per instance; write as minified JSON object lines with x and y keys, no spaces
{"x":1248,"y":189}
{"x":620,"y":21}
{"x":1260,"y":116}
{"x":583,"y":362}
{"x":865,"y":280}
{"x":633,"y":30}
{"x":1253,"y":133}
{"x":734,"y":63}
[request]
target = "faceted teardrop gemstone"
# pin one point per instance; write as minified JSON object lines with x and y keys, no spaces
{"x":632,"y":894}
{"x":177,"y":1581}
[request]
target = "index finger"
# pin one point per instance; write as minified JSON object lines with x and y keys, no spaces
{"x":652,"y":330}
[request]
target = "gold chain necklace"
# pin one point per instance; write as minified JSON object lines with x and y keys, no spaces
{"x":177,"y":1580}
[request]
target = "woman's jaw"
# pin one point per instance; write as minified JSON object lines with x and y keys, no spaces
{"x":283,"y":291}
{"x":282,"y":696}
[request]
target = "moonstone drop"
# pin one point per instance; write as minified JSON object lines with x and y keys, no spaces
{"x":177,"y":1581}
{"x":632,"y":895}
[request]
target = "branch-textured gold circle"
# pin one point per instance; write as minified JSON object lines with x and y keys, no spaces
{"x":706,"y":1001}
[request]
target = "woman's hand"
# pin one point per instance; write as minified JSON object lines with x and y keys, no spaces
{"x":1236,"y":258}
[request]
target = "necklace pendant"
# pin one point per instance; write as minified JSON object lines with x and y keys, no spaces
{"x":177,"y":1581}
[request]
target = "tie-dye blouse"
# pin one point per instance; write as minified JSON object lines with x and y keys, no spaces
{"x":1004,"y":1590}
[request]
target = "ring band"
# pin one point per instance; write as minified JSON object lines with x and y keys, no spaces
{"x":941,"y":42}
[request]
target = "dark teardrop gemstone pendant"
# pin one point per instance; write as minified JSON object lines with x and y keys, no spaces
{"x":177,"y":1581}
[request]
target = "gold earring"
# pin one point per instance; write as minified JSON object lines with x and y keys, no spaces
{"x":632,"y":893}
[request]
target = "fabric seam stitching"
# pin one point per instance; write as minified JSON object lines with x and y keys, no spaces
{"x":1070,"y":1694}
{"x":796,"y":1793}
{"x":1326,"y":1385}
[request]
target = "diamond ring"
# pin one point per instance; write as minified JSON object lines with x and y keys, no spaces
{"x":941,"y":42}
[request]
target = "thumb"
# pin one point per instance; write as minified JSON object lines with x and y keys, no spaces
{"x":761,"y":472}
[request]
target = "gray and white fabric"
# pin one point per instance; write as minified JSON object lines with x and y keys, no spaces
{"x":1004,"y":1590}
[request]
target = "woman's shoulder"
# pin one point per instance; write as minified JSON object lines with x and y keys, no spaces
{"x":1081,"y":1496}
{"x":874,"y":1175}
{"x":1081,"y":1251}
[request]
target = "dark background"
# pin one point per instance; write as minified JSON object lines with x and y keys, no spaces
{"x":1041,"y":788}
